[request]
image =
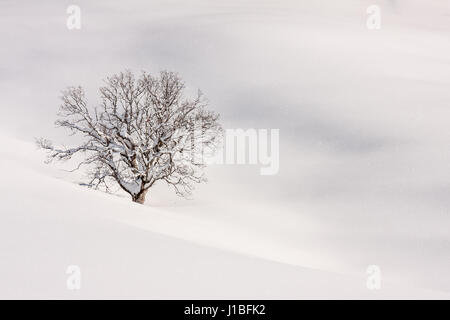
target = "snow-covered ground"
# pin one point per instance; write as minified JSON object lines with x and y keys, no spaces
{"x":364,"y":151}
{"x":126,"y":250}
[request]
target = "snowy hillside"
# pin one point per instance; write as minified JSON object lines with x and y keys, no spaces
{"x":364,"y":152}
{"x":126,"y":250}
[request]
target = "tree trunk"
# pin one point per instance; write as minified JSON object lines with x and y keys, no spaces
{"x":140,"y":197}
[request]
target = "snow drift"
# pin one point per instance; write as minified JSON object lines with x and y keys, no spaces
{"x":126,"y":250}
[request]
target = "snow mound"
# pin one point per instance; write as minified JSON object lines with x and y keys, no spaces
{"x":125,"y":250}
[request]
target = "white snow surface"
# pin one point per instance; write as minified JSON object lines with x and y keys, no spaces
{"x":364,"y":151}
{"x":181,"y":250}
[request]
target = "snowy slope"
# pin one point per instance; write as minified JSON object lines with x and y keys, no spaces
{"x":126,"y":250}
{"x":364,"y":177}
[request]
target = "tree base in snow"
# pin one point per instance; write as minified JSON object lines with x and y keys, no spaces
{"x":140,"y":198}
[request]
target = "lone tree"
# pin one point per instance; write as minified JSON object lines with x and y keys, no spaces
{"x":143,"y":131}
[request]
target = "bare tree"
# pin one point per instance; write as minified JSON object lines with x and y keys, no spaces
{"x":143,"y":131}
